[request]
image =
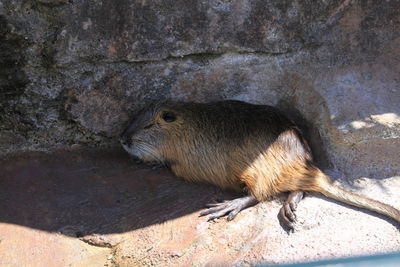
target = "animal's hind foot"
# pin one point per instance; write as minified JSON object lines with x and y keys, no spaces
{"x":287,"y":215}
{"x":230,"y":207}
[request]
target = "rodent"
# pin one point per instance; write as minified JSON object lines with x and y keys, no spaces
{"x":237,"y":145}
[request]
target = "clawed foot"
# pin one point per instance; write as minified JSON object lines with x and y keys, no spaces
{"x":287,"y":215}
{"x":230,"y":207}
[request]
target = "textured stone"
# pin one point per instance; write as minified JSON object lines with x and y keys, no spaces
{"x":98,"y":208}
{"x":74,"y":72}
{"x":154,"y":30}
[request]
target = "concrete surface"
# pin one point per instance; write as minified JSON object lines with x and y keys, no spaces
{"x":99,"y":208}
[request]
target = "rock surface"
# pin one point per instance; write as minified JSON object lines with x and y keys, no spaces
{"x":98,"y":208}
{"x":74,"y":72}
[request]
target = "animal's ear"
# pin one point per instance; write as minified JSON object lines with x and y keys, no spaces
{"x":168,"y":116}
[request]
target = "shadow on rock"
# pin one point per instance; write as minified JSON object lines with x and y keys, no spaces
{"x":86,"y":192}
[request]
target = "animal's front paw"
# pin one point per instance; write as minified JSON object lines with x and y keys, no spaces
{"x":230,"y":207}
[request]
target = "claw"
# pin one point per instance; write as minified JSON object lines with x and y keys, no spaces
{"x":284,"y":219}
{"x":287,"y":215}
{"x":233,"y":214}
{"x":210,"y":205}
{"x":218,"y":214}
{"x":212,"y":210}
{"x":231,"y":207}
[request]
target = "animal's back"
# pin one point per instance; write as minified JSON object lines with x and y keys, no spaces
{"x":237,"y":144}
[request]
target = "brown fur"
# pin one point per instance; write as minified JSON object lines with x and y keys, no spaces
{"x":233,"y":144}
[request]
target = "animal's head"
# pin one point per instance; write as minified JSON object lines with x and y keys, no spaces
{"x":152,"y":132}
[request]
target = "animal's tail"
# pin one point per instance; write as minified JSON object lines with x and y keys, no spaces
{"x":325,"y":186}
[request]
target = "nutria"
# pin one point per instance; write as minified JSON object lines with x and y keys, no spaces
{"x":237,"y":145}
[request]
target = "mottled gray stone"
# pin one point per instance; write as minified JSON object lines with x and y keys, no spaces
{"x":154,"y":30}
{"x":74,"y":72}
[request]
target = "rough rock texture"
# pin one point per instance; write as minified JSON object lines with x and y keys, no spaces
{"x":98,"y":208}
{"x":73,"y":72}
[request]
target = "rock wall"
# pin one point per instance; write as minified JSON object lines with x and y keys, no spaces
{"x":74,"y":71}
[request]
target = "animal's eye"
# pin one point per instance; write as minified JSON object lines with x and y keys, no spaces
{"x":148,"y":126}
{"x":168,"y":116}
